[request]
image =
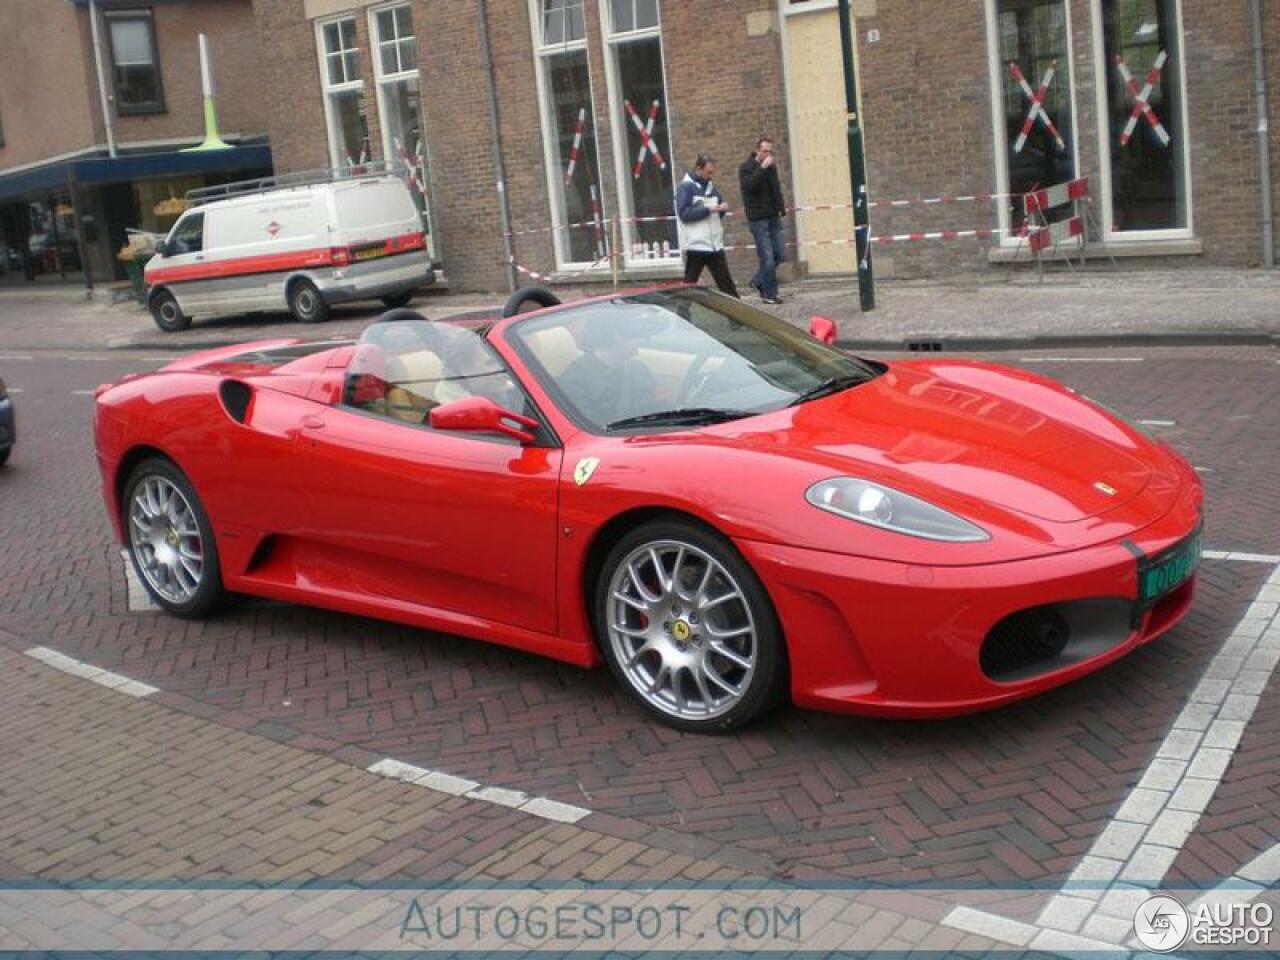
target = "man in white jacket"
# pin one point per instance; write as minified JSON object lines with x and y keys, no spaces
{"x":700,"y":210}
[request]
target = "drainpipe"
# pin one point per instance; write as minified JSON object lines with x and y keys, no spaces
{"x":102,"y":86}
{"x":499,"y":168}
{"x":1264,"y":144}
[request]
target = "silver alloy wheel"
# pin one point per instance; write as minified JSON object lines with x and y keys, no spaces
{"x":165,"y":539}
{"x":681,"y":630}
{"x":169,"y":310}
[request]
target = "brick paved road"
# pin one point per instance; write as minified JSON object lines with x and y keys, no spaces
{"x":1016,"y":795}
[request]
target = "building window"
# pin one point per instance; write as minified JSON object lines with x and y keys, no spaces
{"x":400,"y":101}
{"x":1035,"y":119}
{"x":642,"y":139}
{"x":569,"y":135}
{"x":1143,"y":125}
{"x":343,"y":93}
{"x":135,"y":62}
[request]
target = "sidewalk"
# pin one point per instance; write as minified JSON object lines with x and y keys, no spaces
{"x":101,"y":788}
{"x":1098,"y":307}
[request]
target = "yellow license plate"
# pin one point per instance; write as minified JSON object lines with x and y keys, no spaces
{"x":369,"y":253}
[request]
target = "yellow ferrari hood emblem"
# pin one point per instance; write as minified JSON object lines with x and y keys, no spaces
{"x":585,"y":468}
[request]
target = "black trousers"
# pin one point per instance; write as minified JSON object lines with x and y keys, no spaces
{"x":717,"y":263}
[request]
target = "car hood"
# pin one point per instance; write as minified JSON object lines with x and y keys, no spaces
{"x":961,"y":431}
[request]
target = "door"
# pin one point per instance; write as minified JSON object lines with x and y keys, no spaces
{"x":819,"y":148}
{"x":447,"y":520}
{"x":183,"y":270}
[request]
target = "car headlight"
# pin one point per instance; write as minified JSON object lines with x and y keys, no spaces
{"x":889,"y":509}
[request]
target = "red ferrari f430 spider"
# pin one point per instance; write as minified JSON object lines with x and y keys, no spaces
{"x":724,"y":510}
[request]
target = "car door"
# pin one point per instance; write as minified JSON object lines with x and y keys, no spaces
{"x":461,"y":521}
{"x":184,"y":270}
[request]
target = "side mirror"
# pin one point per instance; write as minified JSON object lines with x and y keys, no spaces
{"x":822,"y":330}
{"x":162,"y":248}
{"x":482,"y":415}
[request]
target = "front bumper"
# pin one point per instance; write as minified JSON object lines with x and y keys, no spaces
{"x":383,"y":277}
{"x":883,"y":638}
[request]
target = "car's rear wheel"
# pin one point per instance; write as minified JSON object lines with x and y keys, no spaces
{"x":167,"y":314}
{"x":397,"y":300}
{"x":305,"y":302}
{"x":171,"y":541}
{"x":688,"y":629}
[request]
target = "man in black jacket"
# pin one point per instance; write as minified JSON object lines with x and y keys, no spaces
{"x":763,"y":205}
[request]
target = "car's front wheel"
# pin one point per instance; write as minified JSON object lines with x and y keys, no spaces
{"x":688,"y":629}
{"x":167,"y":314}
{"x":171,"y":540}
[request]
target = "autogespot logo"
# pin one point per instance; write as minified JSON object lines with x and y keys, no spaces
{"x":1161,"y":924}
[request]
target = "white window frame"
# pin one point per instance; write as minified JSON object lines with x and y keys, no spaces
{"x":555,"y":183}
{"x":618,"y":121}
{"x":380,"y":81}
{"x":328,"y":88}
{"x":998,"y":129}
{"x":1101,"y":68}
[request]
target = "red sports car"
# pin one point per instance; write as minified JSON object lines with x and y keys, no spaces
{"x":723,"y":509}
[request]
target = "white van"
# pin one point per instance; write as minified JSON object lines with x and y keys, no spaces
{"x":297,"y":248}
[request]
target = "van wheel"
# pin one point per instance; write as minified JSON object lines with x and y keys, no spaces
{"x":397,"y":300}
{"x":306,"y":304}
{"x":167,"y":314}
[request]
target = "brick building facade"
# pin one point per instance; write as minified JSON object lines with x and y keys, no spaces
{"x":65,"y":202}
{"x":941,"y":109}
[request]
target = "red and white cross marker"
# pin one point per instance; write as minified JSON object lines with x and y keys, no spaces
{"x":1141,"y":106}
{"x":1037,"y":106}
{"x":577,"y":143}
{"x":647,"y":146}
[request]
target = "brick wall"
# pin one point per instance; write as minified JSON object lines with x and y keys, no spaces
{"x":926,"y":108}
{"x":237,"y":71}
{"x":929,"y":128}
{"x":42,"y":75}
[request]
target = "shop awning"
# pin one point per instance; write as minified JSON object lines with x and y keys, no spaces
{"x":134,"y":166}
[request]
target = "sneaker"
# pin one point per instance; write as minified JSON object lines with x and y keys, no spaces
{"x":774,"y":301}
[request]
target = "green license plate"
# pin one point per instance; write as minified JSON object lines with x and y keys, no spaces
{"x":1162,"y":573}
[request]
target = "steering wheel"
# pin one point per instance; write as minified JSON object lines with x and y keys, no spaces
{"x":537,"y":295}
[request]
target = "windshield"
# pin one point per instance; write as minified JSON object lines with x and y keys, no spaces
{"x":677,"y":358}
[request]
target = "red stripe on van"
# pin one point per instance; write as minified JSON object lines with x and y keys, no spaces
{"x":278,"y":262}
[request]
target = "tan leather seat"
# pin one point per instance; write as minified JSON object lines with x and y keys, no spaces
{"x":413,"y":381}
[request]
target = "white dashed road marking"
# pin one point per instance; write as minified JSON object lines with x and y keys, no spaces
{"x":1133,"y":854}
{"x":1158,"y":423}
{"x":86,"y":671}
{"x":16,"y":356}
{"x":542,"y":807}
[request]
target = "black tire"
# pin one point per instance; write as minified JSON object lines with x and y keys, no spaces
{"x":4,"y":455}
{"x":763,"y":688}
{"x":167,"y":314}
{"x":397,"y":300}
{"x":208,"y":594}
{"x":306,"y":302}
{"x":538,"y":297}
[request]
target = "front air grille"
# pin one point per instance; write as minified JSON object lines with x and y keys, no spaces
{"x":1023,"y":640}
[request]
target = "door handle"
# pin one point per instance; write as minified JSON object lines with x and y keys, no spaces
{"x":312,"y":421}
{"x":199,"y":256}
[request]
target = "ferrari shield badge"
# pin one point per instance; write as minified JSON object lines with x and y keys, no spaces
{"x":585,"y":468}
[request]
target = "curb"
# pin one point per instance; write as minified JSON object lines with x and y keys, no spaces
{"x":960,"y":344}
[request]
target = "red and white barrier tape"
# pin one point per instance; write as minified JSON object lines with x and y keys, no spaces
{"x":578,"y":128}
